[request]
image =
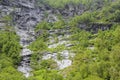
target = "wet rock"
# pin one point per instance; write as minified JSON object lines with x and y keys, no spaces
{"x":5,"y":2}
{"x":26,"y":52}
{"x":2,"y":24}
{"x":69,"y":45}
{"x":54,"y":45}
{"x":95,"y":27}
{"x":52,"y":18}
{"x":64,"y":63}
{"x":27,"y":3}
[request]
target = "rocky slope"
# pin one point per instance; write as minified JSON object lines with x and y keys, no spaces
{"x":26,"y":14}
{"x":61,"y":57}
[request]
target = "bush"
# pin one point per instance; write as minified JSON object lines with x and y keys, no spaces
{"x":43,"y":25}
{"x":38,"y":45}
{"x":9,"y":45}
{"x":48,"y":64}
{"x":85,"y":18}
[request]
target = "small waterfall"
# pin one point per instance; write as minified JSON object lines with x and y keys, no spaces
{"x":26,"y":17}
{"x":25,"y":39}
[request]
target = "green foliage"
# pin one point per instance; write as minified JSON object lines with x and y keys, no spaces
{"x":87,"y":3}
{"x":48,"y":64}
{"x":116,"y":16}
{"x":9,"y":45}
{"x":7,"y":69}
{"x":7,"y":18}
{"x":8,"y":74}
{"x":59,"y":24}
{"x":43,"y":64}
{"x":42,"y":25}
{"x":57,"y":49}
{"x":93,"y":78}
{"x":110,"y":13}
{"x":85,"y":18}
{"x":38,"y":45}
{"x":60,"y":3}
{"x":80,"y":39}
{"x":46,"y":75}
{"x":102,"y":63}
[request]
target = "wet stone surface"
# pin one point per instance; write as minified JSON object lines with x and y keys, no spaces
{"x":25,"y":40}
{"x":65,"y":54}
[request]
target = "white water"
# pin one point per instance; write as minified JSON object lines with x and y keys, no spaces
{"x":25,"y":40}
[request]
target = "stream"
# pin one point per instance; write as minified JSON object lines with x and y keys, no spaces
{"x":25,"y":40}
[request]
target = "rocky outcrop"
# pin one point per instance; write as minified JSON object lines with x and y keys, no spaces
{"x":95,"y":27}
{"x":63,"y":58}
{"x":70,"y":10}
{"x":18,"y":3}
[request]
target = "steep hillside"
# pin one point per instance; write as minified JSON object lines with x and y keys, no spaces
{"x":59,"y":39}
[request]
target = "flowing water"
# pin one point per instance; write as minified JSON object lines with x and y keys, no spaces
{"x":25,"y":40}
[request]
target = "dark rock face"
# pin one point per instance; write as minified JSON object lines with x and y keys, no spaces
{"x":19,"y":3}
{"x":27,"y":17}
{"x":24,"y":12}
{"x":5,"y":2}
{"x":95,"y":27}
{"x":70,"y":10}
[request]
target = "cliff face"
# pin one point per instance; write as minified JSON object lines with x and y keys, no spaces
{"x":27,"y":13}
{"x":19,"y":3}
{"x":24,"y":12}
